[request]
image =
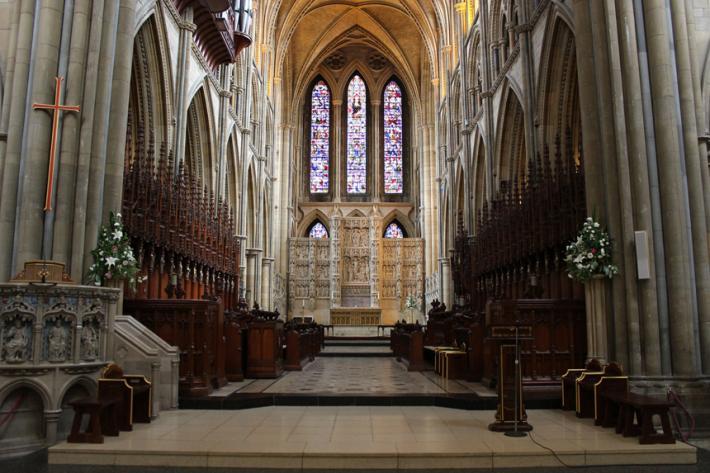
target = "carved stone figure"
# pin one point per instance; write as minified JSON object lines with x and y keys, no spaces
{"x":16,"y":343}
{"x":89,"y":342}
{"x":57,"y":342}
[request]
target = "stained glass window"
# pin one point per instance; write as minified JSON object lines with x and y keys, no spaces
{"x":320,"y":138}
{"x":357,"y":136}
{"x":393,"y":230}
{"x":318,"y":230}
{"x":394,"y":182}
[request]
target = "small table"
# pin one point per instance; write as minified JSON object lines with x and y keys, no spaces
{"x":102,"y":420}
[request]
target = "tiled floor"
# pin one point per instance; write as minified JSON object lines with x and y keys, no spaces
{"x":392,"y":438}
{"x":355,"y":376}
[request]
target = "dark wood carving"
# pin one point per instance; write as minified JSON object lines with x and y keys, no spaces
{"x":265,"y":345}
{"x":557,"y":339}
{"x":196,"y":328}
{"x":182,"y":235}
{"x":517,"y":250}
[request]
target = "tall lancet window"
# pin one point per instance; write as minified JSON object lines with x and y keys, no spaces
{"x":320,"y":138}
{"x":394,"y":181}
{"x":357,"y":136}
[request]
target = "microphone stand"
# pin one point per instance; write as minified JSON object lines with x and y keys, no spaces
{"x":515,"y":432}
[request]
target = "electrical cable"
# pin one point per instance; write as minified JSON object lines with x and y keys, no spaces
{"x":13,"y":410}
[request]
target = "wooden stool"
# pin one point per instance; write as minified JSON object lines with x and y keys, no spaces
{"x":102,"y":420}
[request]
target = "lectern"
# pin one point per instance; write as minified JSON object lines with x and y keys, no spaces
{"x":506,"y":333}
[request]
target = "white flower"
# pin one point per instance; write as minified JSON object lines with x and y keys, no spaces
{"x":117,"y":234}
{"x":111,"y":261}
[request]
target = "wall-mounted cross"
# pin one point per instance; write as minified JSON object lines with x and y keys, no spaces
{"x":57,"y":107}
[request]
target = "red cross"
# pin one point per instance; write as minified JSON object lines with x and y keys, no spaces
{"x":57,"y":107}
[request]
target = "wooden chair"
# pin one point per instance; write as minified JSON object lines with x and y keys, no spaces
{"x":133,"y":392}
{"x":607,"y":385}
{"x":569,"y":381}
{"x":586,"y":405}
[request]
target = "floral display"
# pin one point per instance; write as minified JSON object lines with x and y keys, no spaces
{"x":393,"y":230}
{"x":318,"y":230}
{"x":320,"y":138}
{"x":357,"y":137}
{"x":393,"y":139}
{"x":590,"y":254}
{"x":113,"y":256}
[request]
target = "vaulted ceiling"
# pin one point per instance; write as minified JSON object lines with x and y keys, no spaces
{"x":305,"y":33}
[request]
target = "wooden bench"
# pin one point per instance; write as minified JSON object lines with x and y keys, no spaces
{"x":103,"y":420}
{"x":569,"y":381}
{"x":133,"y":393}
{"x":642,"y":408}
{"x":586,"y":402}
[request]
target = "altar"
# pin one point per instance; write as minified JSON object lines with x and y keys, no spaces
{"x":355,"y":316}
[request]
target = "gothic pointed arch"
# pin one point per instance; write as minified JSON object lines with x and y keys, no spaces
{"x":558,"y":93}
{"x":150,"y":103}
{"x":479,"y":182}
{"x":198,"y":143}
{"x":400,"y":219}
{"x":510,"y":139}
{"x":317,"y":230}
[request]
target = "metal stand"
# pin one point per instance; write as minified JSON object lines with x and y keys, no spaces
{"x":515,"y":432}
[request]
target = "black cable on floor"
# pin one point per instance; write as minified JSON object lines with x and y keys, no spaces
{"x":554,"y":453}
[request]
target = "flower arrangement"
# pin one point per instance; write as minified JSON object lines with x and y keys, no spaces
{"x":411,"y":302}
{"x":590,"y":254}
{"x":113,"y":256}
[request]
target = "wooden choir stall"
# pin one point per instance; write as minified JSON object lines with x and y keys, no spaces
{"x":510,"y":267}
{"x":184,"y":239}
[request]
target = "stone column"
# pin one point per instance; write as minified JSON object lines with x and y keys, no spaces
{"x":266,"y":277}
{"x":250,"y":276}
{"x":36,"y":135}
{"x":694,"y":169}
{"x":338,"y":166}
{"x":335,"y":277}
{"x":118,"y":119}
{"x":88,"y":116}
{"x":669,"y":146}
{"x":51,"y":421}
{"x":377,"y":155}
{"x":157,"y":388}
{"x":99,"y":148}
{"x":16,"y":101}
{"x":375,"y":241}
{"x":445,"y":266}
{"x":64,"y":207}
{"x":640,"y":189}
{"x":187,"y":28}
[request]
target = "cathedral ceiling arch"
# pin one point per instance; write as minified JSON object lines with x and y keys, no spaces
{"x":337,"y":50}
{"x":424,"y":18}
